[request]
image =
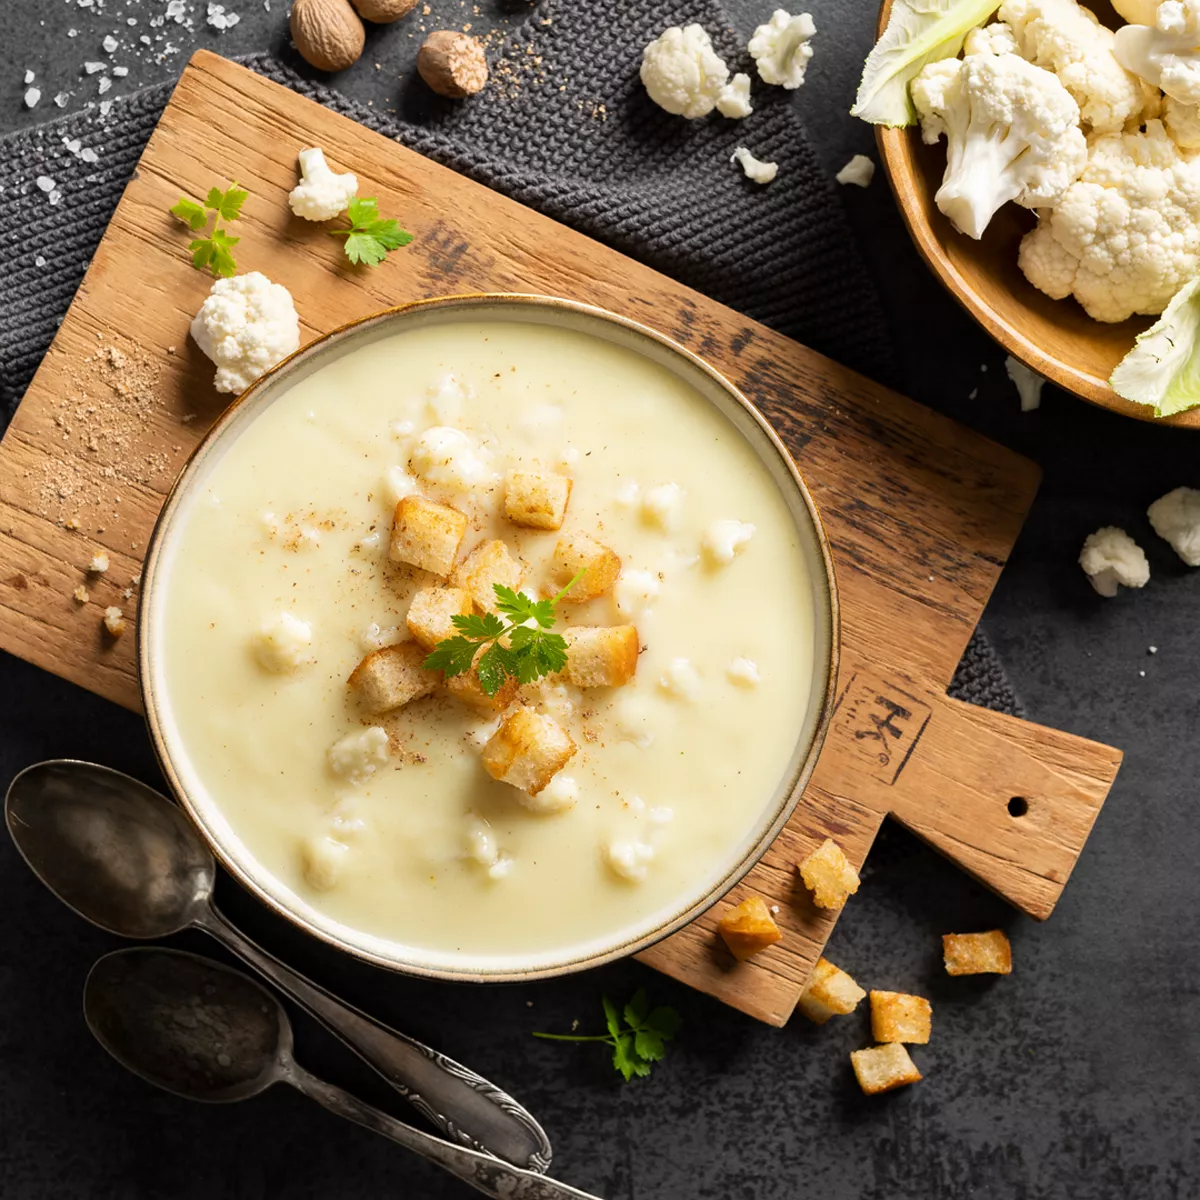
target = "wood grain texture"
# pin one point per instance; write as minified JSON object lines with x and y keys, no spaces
{"x":921,"y":512}
{"x":1054,"y":337}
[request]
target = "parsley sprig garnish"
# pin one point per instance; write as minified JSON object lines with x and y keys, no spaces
{"x":214,"y":252}
{"x":370,"y":237}
{"x":637,"y":1034}
{"x":532,"y":651}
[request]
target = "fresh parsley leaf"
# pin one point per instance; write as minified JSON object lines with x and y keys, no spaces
{"x":214,"y":252}
{"x":190,"y":213}
{"x":637,"y":1035}
{"x":370,"y":237}
{"x":530,"y":653}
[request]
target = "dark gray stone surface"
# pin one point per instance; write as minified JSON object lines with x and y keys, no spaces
{"x":1075,"y":1077}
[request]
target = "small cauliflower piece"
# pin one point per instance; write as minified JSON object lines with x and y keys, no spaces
{"x":725,"y":539}
{"x":1111,"y":559}
{"x":98,"y":564}
{"x":321,"y":193}
{"x":754,"y":169}
{"x":114,"y":622}
{"x":601,"y":656}
{"x":977,"y":953}
{"x":357,"y":756}
{"x":1012,"y":133}
{"x":246,"y":326}
{"x":660,"y":506}
{"x":432,"y":611}
{"x":321,"y":860}
{"x":559,"y":795}
{"x":681,"y":680}
{"x":829,"y":992}
{"x":388,"y":679}
{"x":860,"y":170}
{"x":81,"y":595}
{"x":1067,"y":39}
{"x":734,"y":98}
{"x":898,"y":1017}
{"x":479,"y":841}
{"x":488,"y":565}
{"x":536,"y":499}
{"x":426,"y":534}
{"x":828,"y":875}
{"x":682,"y":73}
{"x":1176,"y":519}
{"x":1182,"y":122}
{"x":527,"y":751}
{"x":743,"y":672}
{"x":467,"y":690}
{"x":629,"y":858}
{"x":634,"y":590}
{"x":882,"y":1068}
{"x":397,"y":484}
{"x":283,"y":644}
{"x":1165,"y":52}
{"x":781,"y":48}
{"x":447,"y":457}
{"x":1027,"y":382}
{"x":1125,"y":237}
{"x":749,"y":928}
{"x":577,"y":552}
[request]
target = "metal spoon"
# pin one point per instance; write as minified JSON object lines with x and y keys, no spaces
{"x":127,"y":859}
{"x":209,"y":1033}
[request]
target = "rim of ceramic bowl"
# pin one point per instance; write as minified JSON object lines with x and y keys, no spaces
{"x":260,"y":882}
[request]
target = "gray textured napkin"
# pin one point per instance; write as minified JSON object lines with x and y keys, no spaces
{"x":566,"y":128}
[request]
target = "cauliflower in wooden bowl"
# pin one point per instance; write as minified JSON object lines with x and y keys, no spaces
{"x":1046,"y":160}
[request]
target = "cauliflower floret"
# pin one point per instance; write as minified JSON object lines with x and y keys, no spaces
{"x":996,"y":38}
{"x":1125,"y":236}
{"x":781,"y":49}
{"x":1012,"y":133}
{"x":755,"y":169}
{"x":283,"y":643}
{"x":1176,"y":519}
{"x":1182,"y":122}
{"x":1064,"y":37}
{"x":634,"y":590}
{"x":1028,"y":383}
{"x":321,"y":193}
{"x":734,"y":100}
{"x":1111,"y":558}
{"x":725,"y":539}
{"x":860,"y":170}
{"x":448,"y":457}
{"x":246,"y":326}
{"x":1166,"y":51}
{"x":357,"y":756}
{"x":682,"y":72}
{"x":681,"y":680}
{"x":660,"y":506}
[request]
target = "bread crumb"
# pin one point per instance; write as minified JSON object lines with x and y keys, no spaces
{"x":81,"y":595}
{"x":114,"y":622}
{"x":99,"y":563}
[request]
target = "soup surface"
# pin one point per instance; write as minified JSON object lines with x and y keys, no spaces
{"x":284,"y":551}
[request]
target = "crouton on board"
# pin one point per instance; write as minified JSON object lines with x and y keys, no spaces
{"x":882,"y":1068}
{"x":829,"y":992}
{"x":426,"y":534}
{"x":749,"y":928}
{"x":829,"y":876}
{"x":899,"y":1017}
{"x":977,"y":953}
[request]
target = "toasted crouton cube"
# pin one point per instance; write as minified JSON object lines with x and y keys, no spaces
{"x":883,"y":1068}
{"x":830,"y":991}
{"x":749,"y":928}
{"x":426,"y":535}
{"x":536,"y":499}
{"x":977,"y":953}
{"x":114,"y":622}
{"x":897,"y":1017}
{"x":577,"y":552}
{"x":601,"y":656}
{"x":829,"y":876}
{"x":467,"y":689}
{"x":392,"y":677}
{"x":489,"y":563}
{"x":527,"y":751}
{"x":430,"y":614}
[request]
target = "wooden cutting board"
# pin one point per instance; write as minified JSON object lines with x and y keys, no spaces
{"x":921,"y":512}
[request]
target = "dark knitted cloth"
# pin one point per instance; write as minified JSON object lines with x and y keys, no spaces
{"x":567,"y":129}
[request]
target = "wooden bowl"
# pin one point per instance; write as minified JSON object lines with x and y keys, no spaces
{"x":1054,"y":337}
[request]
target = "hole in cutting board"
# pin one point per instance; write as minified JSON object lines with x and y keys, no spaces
{"x":1018,"y":806}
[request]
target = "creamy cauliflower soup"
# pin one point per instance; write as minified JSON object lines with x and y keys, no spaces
{"x":322,"y":554}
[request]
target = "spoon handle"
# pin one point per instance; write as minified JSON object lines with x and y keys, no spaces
{"x":464,"y":1106}
{"x":484,"y":1173}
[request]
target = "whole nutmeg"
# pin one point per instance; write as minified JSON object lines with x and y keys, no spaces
{"x":384,"y":12}
{"x":453,"y":64}
{"x":328,"y":33}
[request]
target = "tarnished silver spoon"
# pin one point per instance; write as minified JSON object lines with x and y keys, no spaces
{"x":209,"y":1033}
{"x":127,"y":859}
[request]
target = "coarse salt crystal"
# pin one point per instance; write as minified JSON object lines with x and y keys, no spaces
{"x":92,"y":67}
{"x":109,"y":44}
{"x":45,"y":183}
{"x":29,"y":76}
{"x":62,"y":98}
{"x":120,"y":72}
{"x":32,"y":96}
{"x":89,"y":155}
{"x":105,"y":84}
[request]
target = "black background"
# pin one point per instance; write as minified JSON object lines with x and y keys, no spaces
{"x":1074,"y":1077}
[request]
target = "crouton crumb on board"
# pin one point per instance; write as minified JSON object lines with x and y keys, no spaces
{"x":828,"y":875}
{"x":114,"y":622}
{"x":977,"y":953}
{"x":882,"y":1068}
{"x":749,"y":928}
